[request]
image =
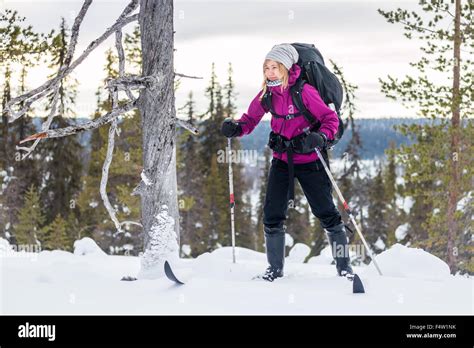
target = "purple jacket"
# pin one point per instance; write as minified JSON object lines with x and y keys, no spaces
{"x":283,"y":105}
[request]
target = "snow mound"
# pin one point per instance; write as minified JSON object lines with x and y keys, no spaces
{"x":5,"y":247}
{"x":402,"y":261}
{"x":87,"y":246}
{"x":225,"y":253}
{"x":324,"y":257}
{"x":401,"y":231}
{"x":298,"y":253}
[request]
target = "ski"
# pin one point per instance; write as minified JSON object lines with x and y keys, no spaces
{"x":357,"y":286}
{"x":170,"y":274}
{"x":128,"y":278}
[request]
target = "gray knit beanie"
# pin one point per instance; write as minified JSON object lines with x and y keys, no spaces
{"x":285,"y":54}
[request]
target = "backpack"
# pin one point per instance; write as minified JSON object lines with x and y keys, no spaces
{"x":314,"y":72}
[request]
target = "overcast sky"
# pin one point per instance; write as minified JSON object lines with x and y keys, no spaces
{"x":349,"y":32}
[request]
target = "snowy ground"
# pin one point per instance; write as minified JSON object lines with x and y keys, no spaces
{"x":88,"y":282}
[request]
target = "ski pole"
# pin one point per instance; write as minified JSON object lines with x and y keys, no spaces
{"x":231,"y":197}
{"x":347,"y":208}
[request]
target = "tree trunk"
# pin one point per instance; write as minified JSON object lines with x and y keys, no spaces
{"x":455,"y":123}
{"x":157,"y":109}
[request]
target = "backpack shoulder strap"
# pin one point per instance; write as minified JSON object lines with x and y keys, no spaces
{"x":296,"y":95}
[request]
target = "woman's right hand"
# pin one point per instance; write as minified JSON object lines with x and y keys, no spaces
{"x":231,"y":128}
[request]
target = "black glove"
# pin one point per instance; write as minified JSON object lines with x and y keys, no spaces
{"x":314,"y":139}
{"x":231,"y":128}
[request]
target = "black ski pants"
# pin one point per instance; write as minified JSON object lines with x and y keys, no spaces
{"x":316,"y":186}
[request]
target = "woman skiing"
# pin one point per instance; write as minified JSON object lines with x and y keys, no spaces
{"x":293,"y":141}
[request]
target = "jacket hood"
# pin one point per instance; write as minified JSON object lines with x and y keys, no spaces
{"x":293,"y":75}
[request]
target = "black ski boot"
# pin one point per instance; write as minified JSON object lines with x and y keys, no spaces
{"x":275,"y":246}
{"x":340,"y":251}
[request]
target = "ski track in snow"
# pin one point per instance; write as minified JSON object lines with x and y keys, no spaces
{"x":58,"y":282}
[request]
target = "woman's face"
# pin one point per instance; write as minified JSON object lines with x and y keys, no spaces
{"x":272,"y":71}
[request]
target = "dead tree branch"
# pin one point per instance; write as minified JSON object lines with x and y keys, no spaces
{"x":39,"y":92}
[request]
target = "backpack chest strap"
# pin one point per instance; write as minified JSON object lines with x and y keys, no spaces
{"x":287,"y":117}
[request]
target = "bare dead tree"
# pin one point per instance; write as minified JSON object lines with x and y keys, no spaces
{"x":154,"y":98}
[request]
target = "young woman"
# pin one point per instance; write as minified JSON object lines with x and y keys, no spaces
{"x":280,"y":72}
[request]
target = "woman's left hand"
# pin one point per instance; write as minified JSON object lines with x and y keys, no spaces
{"x":315,"y":139}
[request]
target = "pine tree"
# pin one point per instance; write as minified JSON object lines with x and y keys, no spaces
{"x":395,"y":215}
{"x":124,"y":173}
{"x":439,"y":161}
{"x":376,"y":228}
{"x":189,"y":183}
{"x":350,"y":181}
{"x":212,"y":227}
{"x":55,"y":235}
{"x":245,"y":232}
{"x":19,"y":46}
{"x":30,"y":217}
{"x":62,"y":157}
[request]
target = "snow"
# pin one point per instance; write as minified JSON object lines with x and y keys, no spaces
{"x":379,"y":244}
{"x":87,"y":246}
{"x":289,"y":241}
{"x":186,"y":249}
{"x":463,"y":202}
{"x":324,"y":258}
{"x":401,"y":261}
{"x":59,"y":282}
{"x":401,"y":231}
{"x":298,"y":253}
{"x":5,"y":247}
{"x":145,"y":178}
{"x":405,"y":203}
{"x":162,"y":244}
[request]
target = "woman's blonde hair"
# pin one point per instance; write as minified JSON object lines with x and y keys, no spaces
{"x":284,"y":79}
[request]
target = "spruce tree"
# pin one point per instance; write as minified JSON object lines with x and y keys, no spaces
{"x":30,"y":219}
{"x":20,"y":46}
{"x":376,"y":228}
{"x":190,"y":184}
{"x":259,"y":244}
{"x":55,"y":236}
{"x":124,"y":173}
{"x":62,"y":157}
{"x":244,"y":229}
